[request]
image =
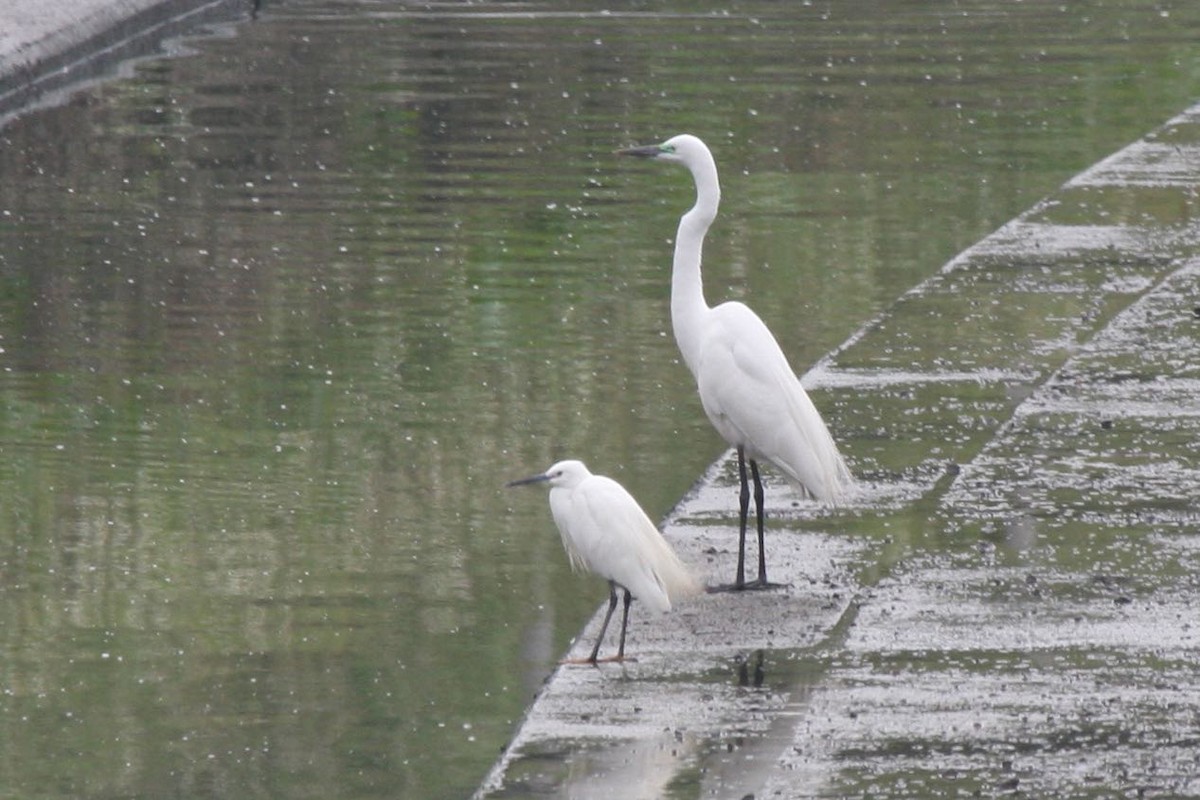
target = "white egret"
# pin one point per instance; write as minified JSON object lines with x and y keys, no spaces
{"x":605,"y":532}
{"x":747,"y":388}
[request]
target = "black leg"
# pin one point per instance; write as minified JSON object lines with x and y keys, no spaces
{"x":740,"y":583}
{"x":759,"y":497}
{"x":594,"y":658}
{"x":743,"y":512}
{"x":624,"y":625}
{"x":758,"y":506}
{"x":612,"y":605}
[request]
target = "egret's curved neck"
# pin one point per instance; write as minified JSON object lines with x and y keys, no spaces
{"x":687,"y":286}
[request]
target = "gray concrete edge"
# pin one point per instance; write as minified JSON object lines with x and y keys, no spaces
{"x":49,"y":52}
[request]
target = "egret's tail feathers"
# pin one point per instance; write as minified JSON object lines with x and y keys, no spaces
{"x":680,"y":583}
{"x":676,"y":580}
{"x":842,"y":486}
{"x":832,"y":483}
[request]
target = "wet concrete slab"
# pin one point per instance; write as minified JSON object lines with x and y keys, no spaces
{"x":1008,"y":605}
{"x":49,"y":48}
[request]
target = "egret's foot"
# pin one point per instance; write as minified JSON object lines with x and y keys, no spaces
{"x":594,"y":662}
{"x":766,"y":585}
{"x":748,"y":586}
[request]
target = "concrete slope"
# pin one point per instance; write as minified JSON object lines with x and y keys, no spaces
{"x":1008,"y":605}
{"x":49,"y":47}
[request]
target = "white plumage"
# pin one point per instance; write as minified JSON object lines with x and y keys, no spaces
{"x":606,"y":532}
{"x":749,"y":391}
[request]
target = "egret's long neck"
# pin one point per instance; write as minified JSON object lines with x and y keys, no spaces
{"x":687,"y":285}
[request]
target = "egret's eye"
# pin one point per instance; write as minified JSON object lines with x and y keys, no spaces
{"x":668,"y":148}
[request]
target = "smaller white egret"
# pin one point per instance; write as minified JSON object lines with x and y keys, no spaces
{"x":605,"y":532}
{"x":748,"y":390}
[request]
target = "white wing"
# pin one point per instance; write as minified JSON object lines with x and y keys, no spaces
{"x":606,"y":532}
{"x":753,"y":398}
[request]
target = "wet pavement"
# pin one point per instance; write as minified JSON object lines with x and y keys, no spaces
{"x":1009,"y":605}
{"x":51,"y":48}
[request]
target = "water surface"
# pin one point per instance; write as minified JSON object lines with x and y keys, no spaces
{"x":278,"y":318}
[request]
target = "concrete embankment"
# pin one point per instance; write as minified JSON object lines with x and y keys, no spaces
{"x":49,"y":47}
{"x":1009,"y":605}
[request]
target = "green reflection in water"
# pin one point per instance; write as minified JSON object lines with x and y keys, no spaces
{"x":279,"y":318}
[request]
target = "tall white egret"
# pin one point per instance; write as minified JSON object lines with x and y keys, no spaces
{"x":605,"y":532}
{"x":748,"y":390}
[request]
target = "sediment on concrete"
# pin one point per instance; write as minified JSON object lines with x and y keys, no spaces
{"x":50,"y":47}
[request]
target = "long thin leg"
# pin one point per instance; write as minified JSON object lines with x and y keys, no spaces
{"x":743,"y":511}
{"x":758,"y":506}
{"x":594,"y":658}
{"x":624,"y":625}
{"x":739,"y":583}
{"x":759,"y":497}
{"x":612,"y":606}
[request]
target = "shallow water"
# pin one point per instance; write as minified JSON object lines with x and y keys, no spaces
{"x":281,"y":316}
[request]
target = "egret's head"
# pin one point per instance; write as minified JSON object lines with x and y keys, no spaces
{"x":564,"y":473}
{"x":682,"y":149}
